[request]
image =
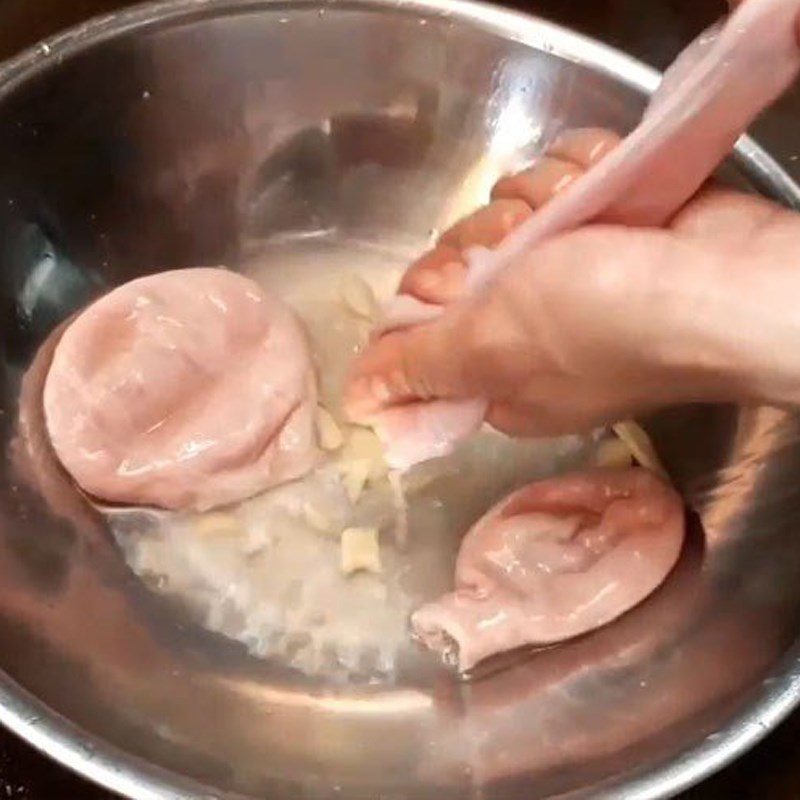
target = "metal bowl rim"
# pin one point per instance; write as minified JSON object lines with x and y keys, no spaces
{"x":130,"y":776}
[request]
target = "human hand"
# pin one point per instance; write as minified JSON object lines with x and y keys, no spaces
{"x":734,"y":4}
{"x":603,"y":322}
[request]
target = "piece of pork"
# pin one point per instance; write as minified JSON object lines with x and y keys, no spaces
{"x":556,"y":559}
{"x":708,"y":98}
{"x":186,"y":389}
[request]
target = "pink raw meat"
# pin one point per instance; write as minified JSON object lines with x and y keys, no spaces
{"x":186,"y":389}
{"x":715,"y":89}
{"x":556,"y":559}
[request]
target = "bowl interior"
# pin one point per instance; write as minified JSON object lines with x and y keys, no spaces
{"x":211,"y":132}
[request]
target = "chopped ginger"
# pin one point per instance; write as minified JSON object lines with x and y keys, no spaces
{"x":364,"y":444}
{"x":360,"y":551}
{"x":355,"y":473}
{"x":218,"y":524}
{"x":318,"y":520}
{"x":640,"y":446}
{"x":361,"y":461}
{"x":613,"y":453}
{"x":328,"y":430}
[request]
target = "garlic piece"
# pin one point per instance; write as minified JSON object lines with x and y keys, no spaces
{"x":354,"y":473}
{"x":318,"y":520}
{"x":363,"y":331}
{"x":613,"y":453}
{"x":640,"y":445}
{"x":364,"y":444}
{"x":218,"y":524}
{"x":328,"y":431}
{"x":359,"y":297}
{"x":360,"y":551}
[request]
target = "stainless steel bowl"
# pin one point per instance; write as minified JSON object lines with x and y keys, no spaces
{"x":200,"y":131}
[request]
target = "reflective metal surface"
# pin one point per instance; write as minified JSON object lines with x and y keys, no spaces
{"x":194,"y":132}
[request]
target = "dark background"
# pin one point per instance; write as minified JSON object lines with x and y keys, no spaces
{"x":653,"y":30}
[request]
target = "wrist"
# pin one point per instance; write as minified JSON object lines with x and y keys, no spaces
{"x":731,"y":327}
{"x":688,"y":337}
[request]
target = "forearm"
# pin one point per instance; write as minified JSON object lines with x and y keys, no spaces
{"x":735,"y":325}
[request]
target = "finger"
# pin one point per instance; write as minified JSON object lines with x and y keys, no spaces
{"x":550,"y":406}
{"x":560,"y":410}
{"x":416,"y":363}
{"x":487,"y":226}
{"x":566,"y":159}
{"x":539,"y":184}
{"x":725,"y":214}
{"x":526,"y":422}
{"x":584,"y":146}
{"x":479,"y":348}
{"x":437,"y":277}
{"x":514,"y":421}
{"x":734,"y":4}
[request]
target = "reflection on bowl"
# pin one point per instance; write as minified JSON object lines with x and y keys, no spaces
{"x":202,"y":132}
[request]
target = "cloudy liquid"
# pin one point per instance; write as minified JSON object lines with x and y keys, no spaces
{"x":272,"y":581}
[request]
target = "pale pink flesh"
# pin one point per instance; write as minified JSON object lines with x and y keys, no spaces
{"x":715,"y":89}
{"x":185,"y":389}
{"x":556,"y":559}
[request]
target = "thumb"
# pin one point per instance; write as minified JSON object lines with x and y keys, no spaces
{"x":420,"y":363}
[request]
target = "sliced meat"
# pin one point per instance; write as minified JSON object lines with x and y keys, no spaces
{"x":556,"y":559}
{"x":185,"y":389}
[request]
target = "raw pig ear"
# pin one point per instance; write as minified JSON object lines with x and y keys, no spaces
{"x":181,"y":390}
{"x":576,"y":552}
{"x":551,"y":497}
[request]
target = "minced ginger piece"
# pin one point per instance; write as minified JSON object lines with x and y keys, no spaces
{"x":360,"y":551}
{"x":355,"y":473}
{"x":364,"y":444}
{"x":328,"y":431}
{"x":217,"y":524}
{"x":361,"y":461}
{"x":358,"y":296}
{"x":613,"y":453}
{"x":318,"y":520}
{"x":640,"y":445}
